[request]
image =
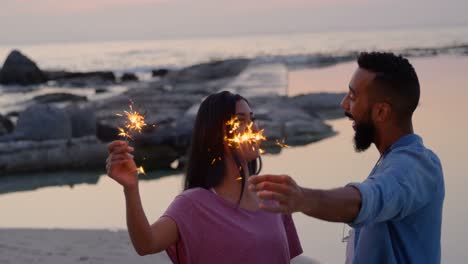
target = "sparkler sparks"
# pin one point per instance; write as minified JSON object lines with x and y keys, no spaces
{"x":236,"y":138}
{"x":238,"y":134}
{"x":213,"y":161}
{"x":281,"y":143}
{"x":134,"y":122}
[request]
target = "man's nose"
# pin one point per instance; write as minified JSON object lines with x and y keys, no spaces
{"x":345,"y":103}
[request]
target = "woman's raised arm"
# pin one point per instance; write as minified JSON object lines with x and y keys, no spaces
{"x":146,"y":238}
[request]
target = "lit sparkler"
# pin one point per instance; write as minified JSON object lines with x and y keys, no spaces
{"x":236,"y":138}
{"x":141,"y":170}
{"x":134,"y":122}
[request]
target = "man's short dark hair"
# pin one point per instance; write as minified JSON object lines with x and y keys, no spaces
{"x":395,"y":81}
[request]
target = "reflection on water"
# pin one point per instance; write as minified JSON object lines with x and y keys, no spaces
{"x":29,"y":182}
{"x":326,"y":164}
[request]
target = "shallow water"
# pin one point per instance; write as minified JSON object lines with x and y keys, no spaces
{"x":325,"y":164}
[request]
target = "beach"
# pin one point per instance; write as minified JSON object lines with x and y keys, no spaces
{"x":61,"y":246}
{"x":70,"y":246}
{"x":86,"y":212}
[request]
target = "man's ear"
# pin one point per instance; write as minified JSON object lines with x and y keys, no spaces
{"x":381,"y":111}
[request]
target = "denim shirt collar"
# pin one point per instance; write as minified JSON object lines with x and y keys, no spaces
{"x":405,"y":141}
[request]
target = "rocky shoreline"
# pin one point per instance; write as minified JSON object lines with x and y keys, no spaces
{"x":60,"y":131}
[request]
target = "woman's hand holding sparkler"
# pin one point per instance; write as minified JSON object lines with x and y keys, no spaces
{"x":120,"y":164}
{"x":146,"y":238}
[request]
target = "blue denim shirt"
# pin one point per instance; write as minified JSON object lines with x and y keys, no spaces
{"x":401,"y":213}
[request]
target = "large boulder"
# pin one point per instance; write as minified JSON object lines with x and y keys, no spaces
{"x":129,"y":77}
{"x":208,"y":71}
{"x":6,"y":126}
{"x":283,"y":120}
{"x":85,"y":153}
{"x":42,"y":122}
{"x":19,"y":69}
{"x":81,"y":79}
{"x":59,"y":97}
{"x":83,"y":120}
{"x":326,"y":105}
{"x":159,"y":72}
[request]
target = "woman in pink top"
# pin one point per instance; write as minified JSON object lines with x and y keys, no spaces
{"x":216,"y":219}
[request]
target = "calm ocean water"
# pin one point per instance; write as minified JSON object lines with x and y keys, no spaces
{"x":141,"y":56}
{"x":326,"y":164}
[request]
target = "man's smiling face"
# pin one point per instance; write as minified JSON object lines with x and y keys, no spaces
{"x":358,"y":108}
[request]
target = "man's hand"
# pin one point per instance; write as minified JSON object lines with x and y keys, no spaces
{"x":283,"y":189}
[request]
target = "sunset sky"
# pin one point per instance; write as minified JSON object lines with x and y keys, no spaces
{"x":43,"y":21}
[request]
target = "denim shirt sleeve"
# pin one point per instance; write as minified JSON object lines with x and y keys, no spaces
{"x":404,"y":183}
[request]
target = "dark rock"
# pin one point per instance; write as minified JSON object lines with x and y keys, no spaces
{"x":81,"y":78}
{"x":6,"y":126}
{"x":155,"y":156}
{"x":41,"y":122}
{"x":326,"y":105}
{"x":106,"y":132}
{"x":127,"y":77}
{"x":19,"y":69}
{"x":83,"y":121}
{"x":13,"y":114}
{"x":177,"y":136}
{"x":56,"y":75}
{"x":301,"y":132}
{"x":59,"y":97}
{"x":159,"y":72}
{"x":100,"y":90}
{"x":209,"y":71}
{"x":83,"y":153}
{"x":59,"y":75}
{"x":283,"y":120}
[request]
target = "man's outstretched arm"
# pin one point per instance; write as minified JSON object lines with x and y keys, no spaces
{"x":335,"y":205}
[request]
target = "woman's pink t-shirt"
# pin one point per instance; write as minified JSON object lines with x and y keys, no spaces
{"x":214,"y":230}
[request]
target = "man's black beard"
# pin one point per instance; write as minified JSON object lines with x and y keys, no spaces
{"x":365,"y":134}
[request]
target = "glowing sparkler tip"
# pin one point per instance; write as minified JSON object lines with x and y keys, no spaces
{"x":141,"y":170}
{"x":134,"y":122}
{"x":239,"y":178}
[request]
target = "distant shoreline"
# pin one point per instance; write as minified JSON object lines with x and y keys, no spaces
{"x":297,"y":50}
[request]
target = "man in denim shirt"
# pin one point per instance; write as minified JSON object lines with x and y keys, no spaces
{"x":397,"y":211}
